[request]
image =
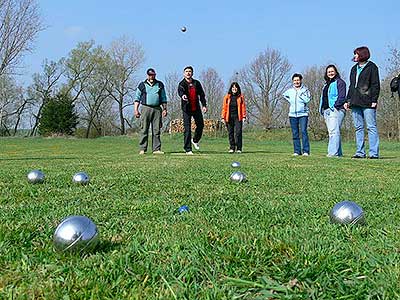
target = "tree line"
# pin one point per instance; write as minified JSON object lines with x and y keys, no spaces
{"x":90,"y":92}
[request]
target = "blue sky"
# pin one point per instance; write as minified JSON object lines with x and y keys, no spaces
{"x":224,"y":35}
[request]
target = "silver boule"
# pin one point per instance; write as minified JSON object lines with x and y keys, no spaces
{"x":81,"y":178}
{"x":35,"y":176}
{"x":236,"y":164}
{"x":183,"y":29}
{"x":347,"y":212}
{"x":75,"y":234}
{"x":237,"y":177}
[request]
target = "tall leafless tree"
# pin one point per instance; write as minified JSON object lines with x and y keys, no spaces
{"x":174,"y":102}
{"x":45,"y":85}
{"x":126,"y":57}
{"x":214,"y":89}
{"x":20,"y":23}
{"x":262,"y":83}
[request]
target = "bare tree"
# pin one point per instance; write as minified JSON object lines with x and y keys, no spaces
{"x":12,"y":105}
{"x":45,"y":86}
{"x":126,"y":57}
{"x":214,"y":89}
{"x":263,"y":82}
{"x":174,"y":103}
{"x":20,"y":23}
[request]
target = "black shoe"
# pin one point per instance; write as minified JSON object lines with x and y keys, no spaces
{"x":373,"y":157}
{"x":357,"y":156}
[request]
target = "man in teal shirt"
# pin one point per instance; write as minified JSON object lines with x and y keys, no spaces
{"x":150,"y":95}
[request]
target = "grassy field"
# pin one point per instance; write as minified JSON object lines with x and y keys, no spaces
{"x":268,"y":237}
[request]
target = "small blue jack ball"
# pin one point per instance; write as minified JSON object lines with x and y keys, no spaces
{"x":183,"y":209}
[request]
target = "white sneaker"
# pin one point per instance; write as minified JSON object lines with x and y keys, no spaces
{"x":239,"y":151}
{"x":158,"y":152}
{"x":306,"y":154}
{"x":189,"y":153}
{"x":295,"y":154}
{"x":231,"y":151}
{"x":141,"y":152}
{"x":195,"y":145}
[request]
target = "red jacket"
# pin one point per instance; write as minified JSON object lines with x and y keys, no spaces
{"x":240,"y":104}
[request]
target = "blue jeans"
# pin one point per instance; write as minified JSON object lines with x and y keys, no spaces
{"x":333,"y":120}
{"x":368,"y":115}
{"x":295,"y":122}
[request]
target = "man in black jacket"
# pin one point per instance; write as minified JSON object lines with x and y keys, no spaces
{"x":192,"y":94}
{"x":362,"y":98}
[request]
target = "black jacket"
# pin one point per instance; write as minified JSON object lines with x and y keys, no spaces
{"x":368,"y":86}
{"x":183,"y":89}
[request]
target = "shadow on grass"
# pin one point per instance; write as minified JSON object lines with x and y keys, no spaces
{"x":105,"y":246}
{"x":37,"y":158}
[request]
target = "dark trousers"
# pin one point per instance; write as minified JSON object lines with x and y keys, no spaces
{"x":187,"y":122}
{"x":235,"y":133}
{"x":295,"y":123}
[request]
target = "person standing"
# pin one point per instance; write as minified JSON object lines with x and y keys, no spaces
{"x":331,"y":106}
{"x":152,"y":99}
{"x":362,"y":99}
{"x":192,"y":94}
{"x":298,"y":97}
{"x":233,"y":114}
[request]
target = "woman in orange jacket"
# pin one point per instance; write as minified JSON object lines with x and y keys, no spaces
{"x":233,"y":114}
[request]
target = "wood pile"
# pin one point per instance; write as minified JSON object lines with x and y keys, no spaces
{"x":210,"y":125}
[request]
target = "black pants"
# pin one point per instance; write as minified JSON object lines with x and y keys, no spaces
{"x":235,"y":133}
{"x":187,"y":122}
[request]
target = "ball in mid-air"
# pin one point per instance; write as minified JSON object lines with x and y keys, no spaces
{"x":81,"y":178}
{"x":238,"y":177}
{"x":75,"y":234}
{"x":35,"y":176}
{"x":183,"y":29}
{"x":347,"y":212}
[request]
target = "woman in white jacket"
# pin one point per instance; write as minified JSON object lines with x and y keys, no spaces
{"x":298,"y":97}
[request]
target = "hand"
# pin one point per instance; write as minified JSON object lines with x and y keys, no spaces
{"x":164,"y":112}
{"x":184,"y":98}
{"x":223,"y":121}
{"x":244,"y":119}
{"x":137,"y":114}
{"x":346,"y":106}
{"x":374,"y":104}
{"x":204,"y":109}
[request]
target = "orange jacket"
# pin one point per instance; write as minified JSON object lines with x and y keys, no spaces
{"x":240,"y":104}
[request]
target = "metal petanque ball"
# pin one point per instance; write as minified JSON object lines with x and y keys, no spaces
{"x":35,"y":176}
{"x":183,"y":209}
{"x":236,"y":164}
{"x":81,"y":178}
{"x":75,"y":234}
{"x":183,"y":29}
{"x":238,"y":177}
{"x":347,"y":212}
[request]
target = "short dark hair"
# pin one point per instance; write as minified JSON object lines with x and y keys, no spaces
{"x":327,"y":79}
{"x":297,"y":75}
{"x":363,"y":53}
{"x":151,"y":71}
{"x":239,"y":91}
{"x":188,"y":67}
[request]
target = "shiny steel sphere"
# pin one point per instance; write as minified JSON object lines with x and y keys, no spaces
{"x":347,"y":212}
{"x":183,"y":209}
{"x":81,"y":178}
{"x":238,"y":177}
{"x":183,"y":29}
{"x":75,"y":234}
{"x":236,"y":164}
{"x":35,"y":176}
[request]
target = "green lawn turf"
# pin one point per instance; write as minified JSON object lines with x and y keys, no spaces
{"x":270,"y":236}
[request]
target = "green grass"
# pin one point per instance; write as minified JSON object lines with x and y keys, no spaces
{"x":268,"y":237}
